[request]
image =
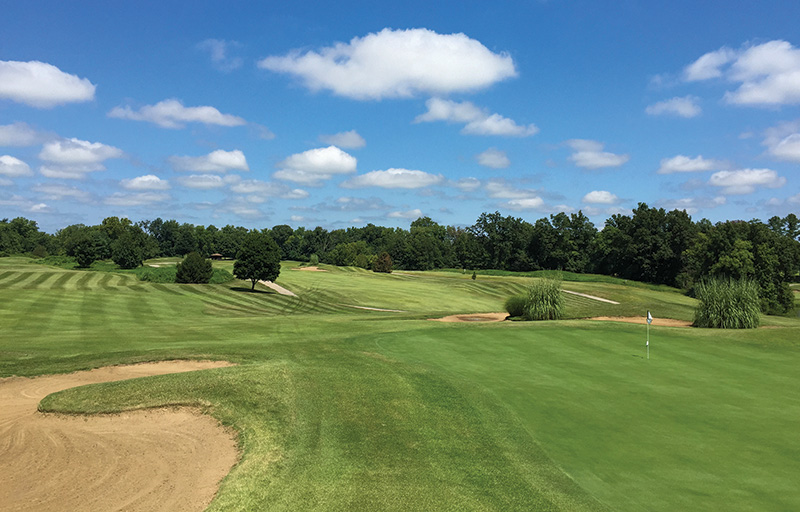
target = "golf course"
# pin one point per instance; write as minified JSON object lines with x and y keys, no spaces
{"x":348,"y":397}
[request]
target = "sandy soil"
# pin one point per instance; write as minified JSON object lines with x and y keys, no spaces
{"x":310,"y":269}
{"x":663,"y":322}
{"x":601,"y":299}
{"x":278,"y":288}
{"x":160,"y":459}
{"x":475,"y":317}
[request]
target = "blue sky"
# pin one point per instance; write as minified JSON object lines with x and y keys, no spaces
{"x":339,"y":114}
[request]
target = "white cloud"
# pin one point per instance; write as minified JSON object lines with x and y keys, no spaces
{"x":315,"y":165}
{"x":795,"y":199}
{"x":528,"y":203}
{"x":219,"y":161}
{"x":493,"y":158}
{"x":692,"y":205}
{"x":745,"y":181}
{"x":137,"y":199}
{"x":683,"y":107}
{"x":19,"y":134}
{"x":477,"y":121}
{"x":350,"y":204}
{"x":409,"y":214}
{"x":263,"y":189}
{"x":42,"y":85}
{"x":219,"y":51}
{"x":146,"y":182}
{"x":13,"y":167}
{"x":74,"y":158}
{"x":681,"y":163}
{"x":589,"y":154}
{"x":172,"y":114}
{"x":467,"y":184}
{"x":5,"y":183}
{"x":202,"y":181}
{"x":349,"y":139}
{"x":297,"y":218}
{"x":600,"y":197}
{"x":783,"y":141}
{"x":54,"y":192}
{"x":394,"y":178}
{"x":499,"y":189}
{"x":397,"y":63}
{"x":768,"y":73}
{"x":708,"y":66}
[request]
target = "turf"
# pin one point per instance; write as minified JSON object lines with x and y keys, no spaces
{"x":346,"y":409}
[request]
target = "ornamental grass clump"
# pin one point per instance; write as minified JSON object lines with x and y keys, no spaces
{"x":544,"y":301}
{"x":515,"y":305}
{"x":727,"y":303}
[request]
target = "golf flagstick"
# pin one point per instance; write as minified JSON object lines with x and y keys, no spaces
{"x":649,"y":321}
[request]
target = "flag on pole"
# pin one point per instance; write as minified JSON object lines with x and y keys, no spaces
{"x":649,"y":318}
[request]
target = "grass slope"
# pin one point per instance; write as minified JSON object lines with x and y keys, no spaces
{"x":347,"y":409}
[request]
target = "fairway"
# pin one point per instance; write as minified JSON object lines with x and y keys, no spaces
{"x":342,"y":408}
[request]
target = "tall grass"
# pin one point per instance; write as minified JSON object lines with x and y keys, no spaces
{"x":544,"y":301}
{"x":726,"y":303}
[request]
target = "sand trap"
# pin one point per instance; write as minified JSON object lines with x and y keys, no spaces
{"x":601,"y":299}
{"x":278,"y":288}
{"x":474,"y":317}
{"x":159,"y":459}
{"x":310,"y":269}
{"x":663,"y":322}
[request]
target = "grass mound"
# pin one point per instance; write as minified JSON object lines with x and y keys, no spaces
{"x":727,"y":304}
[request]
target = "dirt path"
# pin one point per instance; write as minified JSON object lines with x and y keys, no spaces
{"x":161,"y":459}
{"x":278,"y":288}
{"x":601,"y":299}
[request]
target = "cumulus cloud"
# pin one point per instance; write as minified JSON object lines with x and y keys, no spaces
{"x":146,"y":182}
{"x":600,"y":197}
{"x":202,"y":181}
{"x":409,"y":214}
{"x":264,"y":189}
{"x":25,"y":204}
{"x":682,"y":107}
{"x":349,"y":139}
{"x":589,"y":154}
{"x":135,"y":199}
{"x":73,"y":158}
{"x":394,"y":178}
{"x":172,"y":114}
{"x":13,"y":167}
{"x":499,"y":189}
{"x":768,"y":73}
{"x":477,"y":121}
{"x":42,"y":85}
{"x":219,"y":161}
{"x":467,"y":184}
{"x":783,"y":141}
{"x":527,"y":203}
{"x":692,"y":205}
{"x":493,"y":158}
{"x":745,"y":181}
{"x":397,"y":63}
{"x":219,"y":50}
{"x":352,"y":204}
{"x":681,"y":163}
{"x":54,"y":192}
{"x":315,"y":165}
{"x":19,"y":134}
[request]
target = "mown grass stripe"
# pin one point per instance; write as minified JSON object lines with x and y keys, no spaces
{"x":210,"y":297}
{"x":61,"y":282}
{"x":21,"y":277}
{"x":83,"y":281}
{"x":7,"y":274}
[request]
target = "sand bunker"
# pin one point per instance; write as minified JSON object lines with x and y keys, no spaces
{"x":310,"y":269}
{"x":474,"y":317}
{"x":278,"y":288}
{"x":159,"y":459}
{"x":601,"y":299}
{"x":662,"y":322}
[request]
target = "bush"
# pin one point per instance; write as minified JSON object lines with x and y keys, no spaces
{"x":544,"y":301}
{"x":313,"y":261}
{"x":515,"y":306}
{"x":727,"y":303}
{"x":193,"y":269}
{"x":383,"y":263}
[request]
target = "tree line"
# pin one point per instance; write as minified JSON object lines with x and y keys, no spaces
{"x":650,"y":245}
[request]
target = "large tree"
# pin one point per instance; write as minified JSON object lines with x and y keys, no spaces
{"x":258,"y":259}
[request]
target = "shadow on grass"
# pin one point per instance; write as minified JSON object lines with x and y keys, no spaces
{"x":248,"y":290}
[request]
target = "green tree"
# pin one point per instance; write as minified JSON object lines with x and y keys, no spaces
{"x":258,"y":259}
{"x":383,"y":263}
{"x":127,"y":250}
{"x":193,"y":269}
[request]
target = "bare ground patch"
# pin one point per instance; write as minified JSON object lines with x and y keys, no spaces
{"x":160,"y":459}
{"x":310,"y":269}
{"x":474,"y":317}
{"x":662,"y":322}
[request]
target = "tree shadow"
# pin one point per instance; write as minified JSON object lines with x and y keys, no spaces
{"x":248,"y":290}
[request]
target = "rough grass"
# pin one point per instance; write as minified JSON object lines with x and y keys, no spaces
{"x":345,"y":409}
{"x":727,"y":304}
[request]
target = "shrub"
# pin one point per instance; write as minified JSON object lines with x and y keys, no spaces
{"x":313,"y":260}
{"x":544,"y":301}
{"x":727,"y":303}
{"x":383,"y":263}
{"x":193,"y":269}
{"x":515,"y":306}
